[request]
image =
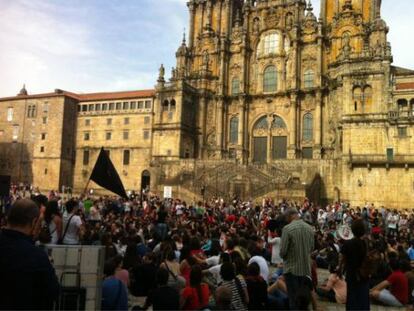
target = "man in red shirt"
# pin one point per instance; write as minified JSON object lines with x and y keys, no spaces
{"x":394,"y":290}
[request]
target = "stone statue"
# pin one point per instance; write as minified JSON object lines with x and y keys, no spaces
{"x":256,"y":25}
{"x":161,"y":73}
{"x":206,"y":59}
{"x":332,"y":134}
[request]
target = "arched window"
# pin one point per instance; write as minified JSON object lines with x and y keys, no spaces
{"x":270,"y":79}
{"x":235,"y":86}
{"x":234,"y":130}
{"x":172,"y":104}
{"x":309,"y":78}
{"x":402,"y":104}
{"x":357,"y":97}
{"x":165,"y":104}
{"x":278,"y":123}
{"x":308,"y":127}
{"x":261,"y":124}
{"x":269,"y":44}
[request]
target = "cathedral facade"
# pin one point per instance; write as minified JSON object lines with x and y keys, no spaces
{"x":266,"y":99}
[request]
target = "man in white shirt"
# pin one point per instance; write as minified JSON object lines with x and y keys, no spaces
{"x":72,"y":224}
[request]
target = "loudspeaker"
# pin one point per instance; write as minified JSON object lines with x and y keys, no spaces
{"x":4,"y":185}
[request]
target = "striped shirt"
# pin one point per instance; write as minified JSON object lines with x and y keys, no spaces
{"x":236,"y":300}
{"x":296,"y":247}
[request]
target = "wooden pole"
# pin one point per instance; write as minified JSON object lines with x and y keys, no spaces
{"x":86,"y":187}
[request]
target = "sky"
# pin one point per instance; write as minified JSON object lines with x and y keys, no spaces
{"x":113,"y":45}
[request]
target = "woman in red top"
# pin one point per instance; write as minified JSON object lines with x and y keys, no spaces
{"x":196,"y":295}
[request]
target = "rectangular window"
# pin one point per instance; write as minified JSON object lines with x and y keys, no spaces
{"x":279,"y":147}
{"x":402,"y":132}
{"x":15,"y":132}
{"x":126,"y":135}
{"x":31,"y":111}
{"x":235,"y":86}
{"x":98,"y":107}
{"x":390,"y":154}
{"x":125,"y":105}
{"x":307,"y":153}
{"x":108,"y":135}
{"x":85,"y":157}
{"x":87,"y":122}
{"x":42,"y":149}
{"x":118,"y":106}
{"x":44,"y":120}
{"x":46,"y":107}
{"x":86,"y":136}
{"x":126,"y":157}
{"x":43,"y":136}
{"x":146,"y":120}
{"x":309,"y":78}
{"x":10,"y":114}
{"x":108,"y":121}
{"x":260,"y":150}
{"x":84,"y":108}
{"x":126,"y":121}
{"x":146,"y":134}
{"x":104,"y":107}
{"x":111,"y":106}
{"x":147,"y":104}
{"x":140,"y":104}
{"x":91,"y":107}
{"x":133,"y":105}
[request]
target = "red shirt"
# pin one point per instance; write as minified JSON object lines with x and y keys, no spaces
{"x":399,"y":286}
{"x":192,"y":299}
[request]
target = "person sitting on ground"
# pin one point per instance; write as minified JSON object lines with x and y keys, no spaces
{"x":195,"y":296}
{"x":335,"y":288}
{"x":394,"y":290}
{"x":114,"y":292}
{"x":164,"y":297}
{"x":223,"y":297}
{"x":240,"y":296}
{"x":256,"y":287}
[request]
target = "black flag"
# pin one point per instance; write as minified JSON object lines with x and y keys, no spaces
{"x":106,"y":176}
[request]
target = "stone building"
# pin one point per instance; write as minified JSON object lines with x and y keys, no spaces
{"x":265,"y":100}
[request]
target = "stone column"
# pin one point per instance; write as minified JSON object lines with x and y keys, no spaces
{"x":192,"y":25}
{"x":269,"y":139}
{"x":202,"y":125}
{"x":318,"y":126}
{"x":241,"y":131}
{"x":219,"y":125}
{"x":292,"y":129}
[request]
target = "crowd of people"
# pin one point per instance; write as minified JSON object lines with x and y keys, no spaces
{"x":213,"y":255}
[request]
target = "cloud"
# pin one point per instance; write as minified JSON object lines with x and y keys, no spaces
{"x":107,"y":45}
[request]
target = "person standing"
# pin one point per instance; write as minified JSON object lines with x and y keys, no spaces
{"x":296,"y":247}
{"x":72,"y":224}
{"x":28,"y":280}
{"x":354,"y":252}
{"x":53,"y":220}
